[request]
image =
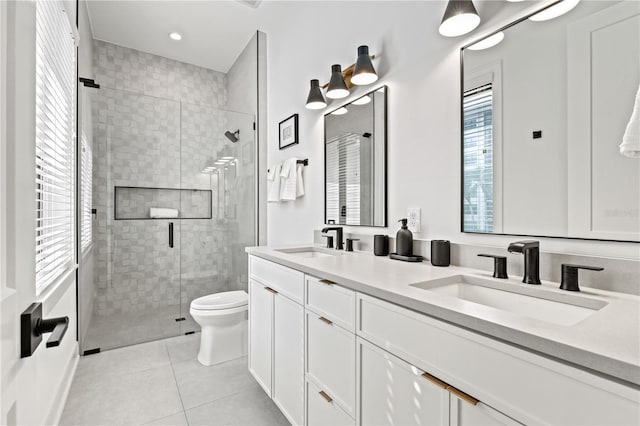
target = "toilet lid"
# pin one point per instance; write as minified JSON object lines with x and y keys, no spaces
{"x":223,"y":300}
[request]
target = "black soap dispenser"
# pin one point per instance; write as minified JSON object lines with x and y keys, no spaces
{"x":404,"y":240}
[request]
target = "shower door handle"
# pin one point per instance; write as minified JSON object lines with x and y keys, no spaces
{"x":171,"y":234}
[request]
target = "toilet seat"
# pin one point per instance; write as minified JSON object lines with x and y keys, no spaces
{"x":223,"y":300}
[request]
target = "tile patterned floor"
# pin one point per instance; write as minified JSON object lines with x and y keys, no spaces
{"x":162,"y":383}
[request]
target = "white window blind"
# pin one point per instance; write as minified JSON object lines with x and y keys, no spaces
{"x":478,"y":159}
{"x":55,"y":153}
{"x":343,"y":179}
{"x":86,"y":169}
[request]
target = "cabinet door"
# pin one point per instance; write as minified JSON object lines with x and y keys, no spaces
{"x":394,"y":392}
{"x":288,"y":358}
{"x":465,"y":414}
{"x":260,"y":333}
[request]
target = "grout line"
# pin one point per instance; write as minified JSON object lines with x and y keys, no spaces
{"x":175,"y":379}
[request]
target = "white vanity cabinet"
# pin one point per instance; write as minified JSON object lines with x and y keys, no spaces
{"x":328,"y":355}
{"x":276,"y":334}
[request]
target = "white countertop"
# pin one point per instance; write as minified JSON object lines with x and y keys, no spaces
{"x":607,"y":342}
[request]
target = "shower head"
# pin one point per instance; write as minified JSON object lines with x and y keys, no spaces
{"x":233,"y":137}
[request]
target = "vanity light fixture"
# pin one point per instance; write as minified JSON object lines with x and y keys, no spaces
{"x":362,"y":101}
{"x":554,"y":11}
{"x":460,"y":17}
{"x":340,"y":111}
{"x":316,"y":99}
{"x":363,"y":72}
{"x":175,"y":36}
{"x":337,"y":88}
{"x":488,"y":42}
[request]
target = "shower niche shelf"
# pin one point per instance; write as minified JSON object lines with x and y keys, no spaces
{"x":135,"y":202}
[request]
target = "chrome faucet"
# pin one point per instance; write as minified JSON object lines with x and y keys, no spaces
{"x":531,"y":251}
{"x":338,"y":229}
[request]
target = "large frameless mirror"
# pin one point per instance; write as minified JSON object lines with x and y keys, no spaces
{"x":544,"y":112}
{"x":355,"y":145}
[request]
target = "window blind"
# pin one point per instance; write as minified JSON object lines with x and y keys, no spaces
{"x":86,"y":167}
{"x":55,"y":154}
{"x":478,"y":159}
{"x":343,"y":179}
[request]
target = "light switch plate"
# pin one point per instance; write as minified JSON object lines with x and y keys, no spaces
{"x":413,"y":216}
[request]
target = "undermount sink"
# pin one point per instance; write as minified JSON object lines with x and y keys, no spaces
{"x":309,"y":252}
{"x":526,"y":300}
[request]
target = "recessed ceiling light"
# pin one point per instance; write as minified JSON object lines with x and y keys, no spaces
{"x":488,"y":42}
{"x":175,"y":36}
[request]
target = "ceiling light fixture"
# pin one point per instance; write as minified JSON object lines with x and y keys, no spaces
{"x":363,"y":72}
{"x":337,"y":87}
{"x":340,"y":111}
{"x":362,"y":101}
{"x":315,"y":99}
{"x":459,"y":18}
{"x":488,"y":42}
{"x":175,"y":36}
{"x":554,"y":11}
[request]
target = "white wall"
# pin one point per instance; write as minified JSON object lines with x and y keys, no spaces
{"x":421,"y":69}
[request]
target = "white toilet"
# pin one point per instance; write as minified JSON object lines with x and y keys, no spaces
{"x":223,"y":320}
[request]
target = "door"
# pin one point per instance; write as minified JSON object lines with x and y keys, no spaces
{"x":466,"y":414}
{"x":395,"y":392}
{"x":32,"y":389}
{"x":288,"y":358}
{"x":260,"y":333}
{"x":136,"y":194}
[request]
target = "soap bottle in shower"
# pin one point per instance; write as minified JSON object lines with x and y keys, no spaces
{"x":404,"y":240}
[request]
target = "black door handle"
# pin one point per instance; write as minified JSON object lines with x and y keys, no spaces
{"x":33,"y":326}
{"x":171,"y":234}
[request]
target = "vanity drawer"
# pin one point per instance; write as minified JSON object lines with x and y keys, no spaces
{"x":522,"y":385}
{"x":322,"y":410}
{"x":280,"y":278}
{"x":331,"y":359}
{"x":332,"y":301}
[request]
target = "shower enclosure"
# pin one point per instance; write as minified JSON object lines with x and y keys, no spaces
{"x":154,"y":153}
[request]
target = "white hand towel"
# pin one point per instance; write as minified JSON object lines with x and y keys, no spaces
{"x":273,"y":193}
{"x":162,"y":213}
{"x":299,"y":181}
{"x":289,"y":179}
{"x":630,"y":146}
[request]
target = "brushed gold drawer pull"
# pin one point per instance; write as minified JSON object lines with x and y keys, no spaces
{"x":326,"y":321}
{"x":325,"y":396}
{"x":463,"y":396}
{"x":435,"y":381}
{"x":270,"y":290}
{"x":327,"y":282}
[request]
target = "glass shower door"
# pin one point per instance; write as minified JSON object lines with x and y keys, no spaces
{"x":218,"y":160}
{"x":136,"y":170}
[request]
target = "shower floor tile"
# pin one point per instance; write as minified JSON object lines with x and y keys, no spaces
{"x":162,"y":383}
{"x":124,"y":329}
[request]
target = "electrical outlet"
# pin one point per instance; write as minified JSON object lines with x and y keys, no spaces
{"x":413,"y":216}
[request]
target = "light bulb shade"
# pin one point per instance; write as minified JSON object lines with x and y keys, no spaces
{"x":488,"y":42}
{"x":363,"y":73}
{"x":340,"y":111}
{"x":337,"y":87}
{"x":316,"y":99}
{"x":554,"y":11}
{"x":459,"y":18}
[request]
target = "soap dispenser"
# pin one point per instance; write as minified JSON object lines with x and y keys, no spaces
{"x":404,"y":240}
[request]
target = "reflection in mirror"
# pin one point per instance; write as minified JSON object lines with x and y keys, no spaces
{"x":543,"y":114}
{"x":355,"y":162}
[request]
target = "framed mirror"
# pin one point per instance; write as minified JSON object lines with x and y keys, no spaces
{"x":544,"y":112}
{"x":355,"y":162}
